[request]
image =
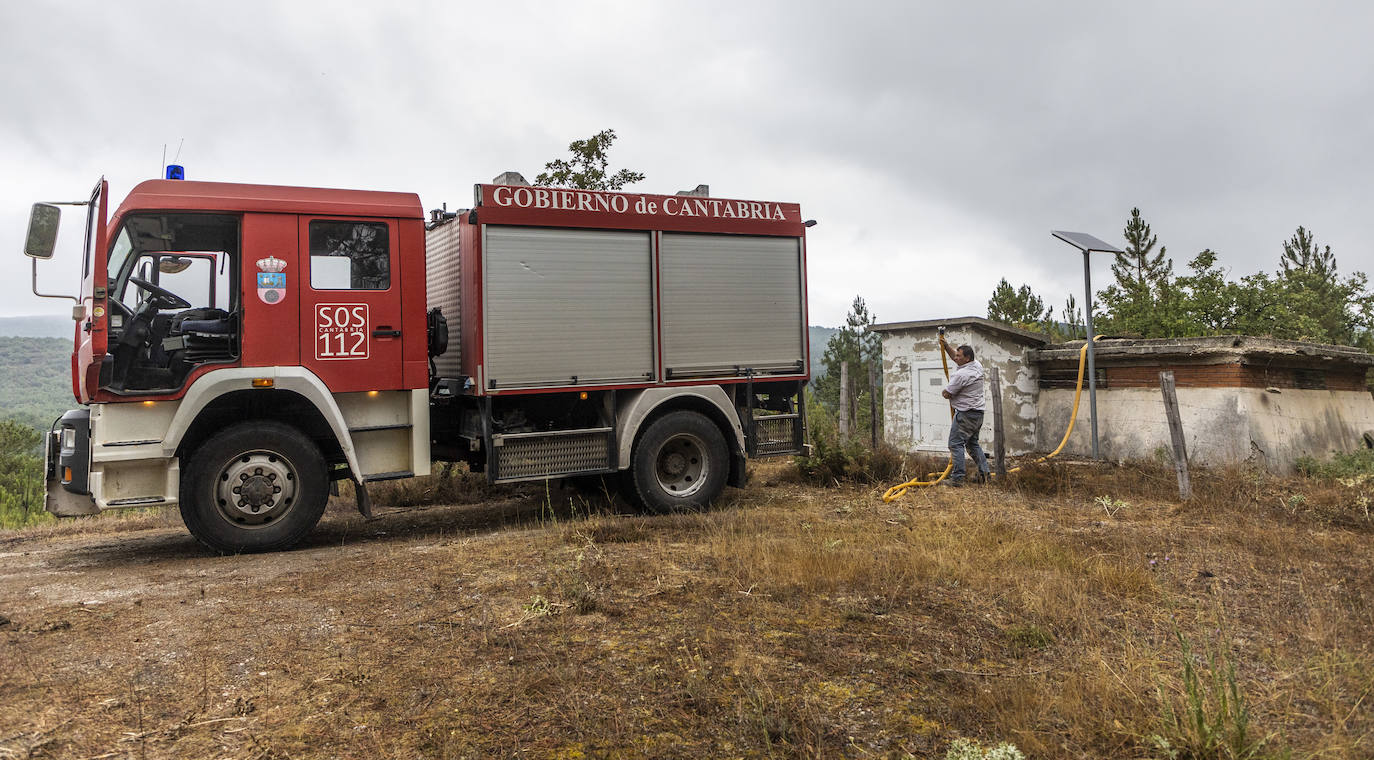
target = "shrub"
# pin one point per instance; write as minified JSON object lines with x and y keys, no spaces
{"x":1341,"y":465}
{"x":833,"y":460}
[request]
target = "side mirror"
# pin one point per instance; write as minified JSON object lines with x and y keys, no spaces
{"x":42,"y":237}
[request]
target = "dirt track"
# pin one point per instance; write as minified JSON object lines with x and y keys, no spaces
{"x":101,"y":626}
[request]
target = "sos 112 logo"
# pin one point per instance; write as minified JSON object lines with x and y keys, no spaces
{"x":341,"y":331}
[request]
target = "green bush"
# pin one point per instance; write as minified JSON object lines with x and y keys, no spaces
{"x":833,"y":460}
{"x":1340,"y":465}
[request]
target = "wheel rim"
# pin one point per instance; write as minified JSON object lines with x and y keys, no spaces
{"x":256,"y":488}
{"x":681,"y":465}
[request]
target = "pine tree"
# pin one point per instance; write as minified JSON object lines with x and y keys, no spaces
{"x":1018,"y":307}
{"x":1329,"y":309}
{"x":1143,"y":299}
{"x":862,"y":348}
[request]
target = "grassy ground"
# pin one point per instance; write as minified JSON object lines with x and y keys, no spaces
{"x":1074,"y":611}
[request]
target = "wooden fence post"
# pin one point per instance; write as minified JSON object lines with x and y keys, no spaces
{"x":844,"y":401}
{"x":873,"y":403}
{"x":1166,"y":387}
{"x":999,"y":438}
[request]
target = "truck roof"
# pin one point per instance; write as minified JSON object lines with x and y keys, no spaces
{"x":228,"y":196}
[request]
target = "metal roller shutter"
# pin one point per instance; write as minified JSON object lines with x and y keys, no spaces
{"x":567,"y":307}
{"x":443,"y":283}
{"x":731,"y":303}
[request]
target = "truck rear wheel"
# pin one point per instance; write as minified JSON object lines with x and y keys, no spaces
{"x":254,"y":487}
{"x":679,"y":463}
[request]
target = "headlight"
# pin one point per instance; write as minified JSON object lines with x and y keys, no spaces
{"x":69,"y":438}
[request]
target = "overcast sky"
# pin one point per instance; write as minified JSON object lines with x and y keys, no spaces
{"x":936,"y":143}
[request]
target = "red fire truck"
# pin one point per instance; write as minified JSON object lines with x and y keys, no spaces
{"x":240,"y":347}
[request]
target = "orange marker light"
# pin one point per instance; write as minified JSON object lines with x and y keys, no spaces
{"x":582,"y":395}
{"x":66,"y":474}
{"x":263,"y":382}
{"x":372,"y":394}
{"x":149,"y":403}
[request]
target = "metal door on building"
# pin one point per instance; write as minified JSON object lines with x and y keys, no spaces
{"x":931,"y":415}
{"x":932,"y":412}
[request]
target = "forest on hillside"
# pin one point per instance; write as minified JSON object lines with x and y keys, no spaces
{"x":35,"y":380}
{"x":35,"y":388}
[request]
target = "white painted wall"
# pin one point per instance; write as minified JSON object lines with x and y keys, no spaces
{"x":1220,"y":425}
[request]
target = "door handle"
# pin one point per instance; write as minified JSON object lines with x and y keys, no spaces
{"x":386,"y":332}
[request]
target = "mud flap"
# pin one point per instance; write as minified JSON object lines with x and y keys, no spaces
{"x":739,"y":470}
{"x":363,"y":499}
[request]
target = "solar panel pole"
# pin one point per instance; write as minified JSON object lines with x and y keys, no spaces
{"x":1092,"y":370}
{"x":1088,"y":244}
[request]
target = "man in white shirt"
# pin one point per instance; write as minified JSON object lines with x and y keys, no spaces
{"x":965,"y":394}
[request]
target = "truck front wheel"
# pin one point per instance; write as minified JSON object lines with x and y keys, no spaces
{"x":679,"y":463}
{"x":254,"y":487}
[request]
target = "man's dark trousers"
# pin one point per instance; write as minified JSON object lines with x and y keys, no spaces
{"x":963,"y":433}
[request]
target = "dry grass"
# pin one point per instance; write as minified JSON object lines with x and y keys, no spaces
{"x":791,"y":621}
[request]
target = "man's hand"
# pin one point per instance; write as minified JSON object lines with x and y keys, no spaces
{"x":945,"y":394}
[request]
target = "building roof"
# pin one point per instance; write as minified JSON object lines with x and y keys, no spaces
{"x":1024,"y":336}
{"x":1214,"y":349}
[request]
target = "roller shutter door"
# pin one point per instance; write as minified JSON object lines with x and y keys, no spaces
{"x":731,"y":303}
{"x":443,"y":287}
{"x":567,"y":307}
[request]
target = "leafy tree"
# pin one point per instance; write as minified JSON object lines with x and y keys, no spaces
{"x":1020,"y":307}
{"x":861,"y":348}
{"x":586,"y":169}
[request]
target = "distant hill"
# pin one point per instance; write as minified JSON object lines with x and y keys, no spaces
{"x":41,"y":326}
{"x":35,"y":380}
{"x":819,"y":337}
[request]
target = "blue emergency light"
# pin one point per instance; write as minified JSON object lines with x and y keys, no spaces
{"x":175,"y":171}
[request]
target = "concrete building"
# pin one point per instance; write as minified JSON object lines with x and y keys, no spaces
{"x":1242,"y":399}
{"x":916,"y":417}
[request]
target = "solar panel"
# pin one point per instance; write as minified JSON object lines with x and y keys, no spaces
{"x":1085,"y":242}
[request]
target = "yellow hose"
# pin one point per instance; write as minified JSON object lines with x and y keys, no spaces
{"x":898,"y":491}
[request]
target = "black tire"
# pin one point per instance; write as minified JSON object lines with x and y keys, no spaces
{"x":254,"y":487}
{"x":680,"y":462}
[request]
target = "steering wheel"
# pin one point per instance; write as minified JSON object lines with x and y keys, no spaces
{"x":162,"y":297}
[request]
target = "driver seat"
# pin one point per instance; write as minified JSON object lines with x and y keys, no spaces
{"x":202,"y":335}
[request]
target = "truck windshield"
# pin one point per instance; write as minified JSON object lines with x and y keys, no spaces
{"x":187,"y":253}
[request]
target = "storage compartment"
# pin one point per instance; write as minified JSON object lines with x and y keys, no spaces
{"x":731,"y":303}
{"x":567,"y":307}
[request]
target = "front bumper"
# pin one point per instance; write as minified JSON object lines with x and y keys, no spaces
{"x":67,"y":466}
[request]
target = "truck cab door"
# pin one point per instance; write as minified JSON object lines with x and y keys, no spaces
{"x":350,"y":317}
{"x":92,"y":332}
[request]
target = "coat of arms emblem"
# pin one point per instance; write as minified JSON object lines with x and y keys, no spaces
{"x":271,"y":280}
